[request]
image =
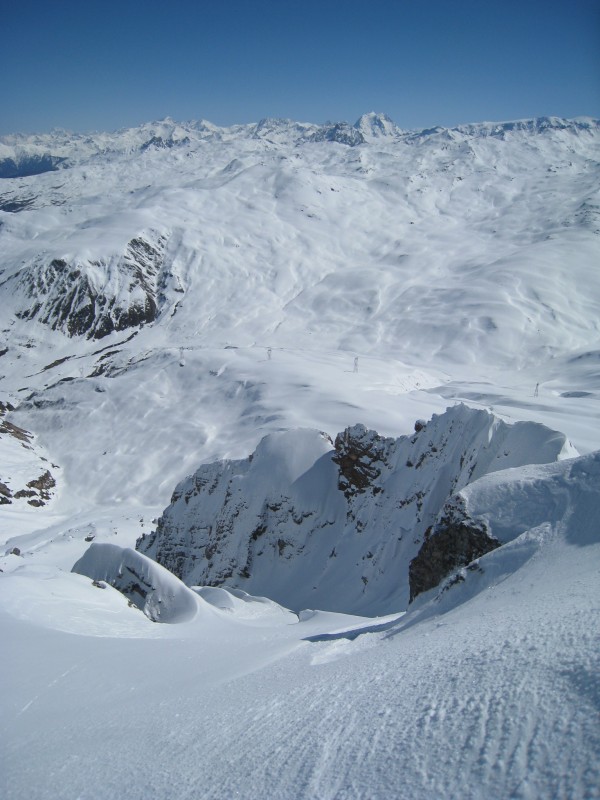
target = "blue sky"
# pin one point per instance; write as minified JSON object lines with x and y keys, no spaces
{"x":91,"y":65}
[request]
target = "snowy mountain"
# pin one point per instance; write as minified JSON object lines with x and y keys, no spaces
{"x":374,"y":126}
{"x":94,"y":298}
{"x":177,"y":296}
{"x":336,"y":529}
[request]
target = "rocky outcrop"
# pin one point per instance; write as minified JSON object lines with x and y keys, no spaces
{"x":160,"y":143}
{"x":455,"y":542}
{"x":13,"y":202}
{"x":310,"y":527}
{"x":95,"y":298}
{"x":361,"y":455}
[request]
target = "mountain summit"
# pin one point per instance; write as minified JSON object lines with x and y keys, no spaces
{"x":375,"y":126}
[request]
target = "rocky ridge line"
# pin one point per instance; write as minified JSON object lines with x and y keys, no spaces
{"x":338,"y":530}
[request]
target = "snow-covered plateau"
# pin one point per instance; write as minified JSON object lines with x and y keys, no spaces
{"x":299,"y":462}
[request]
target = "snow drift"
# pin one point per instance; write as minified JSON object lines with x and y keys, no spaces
{"x":150,"y":587}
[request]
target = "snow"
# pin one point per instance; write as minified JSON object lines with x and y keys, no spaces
{"x":458,"y":266}
{"x":277,"y":523}
{"x":150,"y":587}
{"x":495,"y":697}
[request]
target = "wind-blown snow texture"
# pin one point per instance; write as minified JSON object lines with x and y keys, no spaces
{"x":170,"y":295}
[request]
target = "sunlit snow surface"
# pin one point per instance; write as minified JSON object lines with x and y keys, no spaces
{"x":455,"y":266}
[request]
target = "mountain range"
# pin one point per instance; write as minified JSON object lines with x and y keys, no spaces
{"x":323,"y":400}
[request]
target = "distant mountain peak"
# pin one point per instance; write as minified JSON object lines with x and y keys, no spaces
{"x":376,"y":125}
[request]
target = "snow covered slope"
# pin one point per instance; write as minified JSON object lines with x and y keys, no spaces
{"x":26,"y":471}
{"x":170,"y":295}
{"x":487,"y":689}
{"x":334,"y":529}
{"x":521,"y":506}
{"x":235,"y":274}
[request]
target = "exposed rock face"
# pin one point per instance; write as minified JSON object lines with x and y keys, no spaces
{"x":455,"y":542}
{"x":311,"y":527}
{"x":361,"y":455}
{"x":160,"y":143}
{"x":13,"y":202}
{"x":95,"y":298}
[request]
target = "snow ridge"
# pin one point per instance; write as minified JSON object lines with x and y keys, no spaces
{"x":311,"y":527}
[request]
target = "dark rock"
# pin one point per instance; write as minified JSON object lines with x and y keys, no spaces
{"x":16,"y":432}
{"x":360,"y":455}
{"x":64,"y":296}
{"x":13,"y":205}
{"x":43,"y":484}
{"x":56,"y":363}
{"x":455,"y":542}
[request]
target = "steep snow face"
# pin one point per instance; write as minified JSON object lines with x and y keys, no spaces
{"x":312,"y":527}
{"x":563,"y":496}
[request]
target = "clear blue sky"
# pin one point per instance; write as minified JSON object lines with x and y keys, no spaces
{"x":90,"y":65}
